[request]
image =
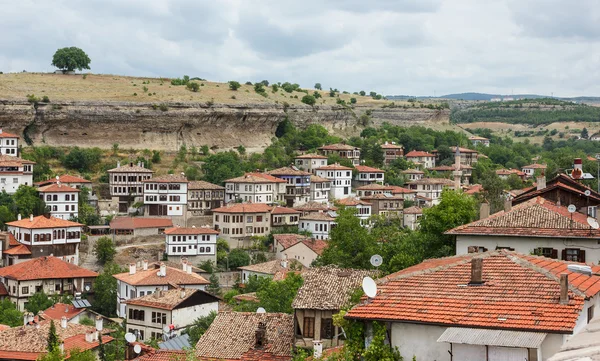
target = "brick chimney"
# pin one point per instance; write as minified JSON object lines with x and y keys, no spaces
{"x":260,"y":336}
{"x":564,"y":288}
{"x":476,"y":272}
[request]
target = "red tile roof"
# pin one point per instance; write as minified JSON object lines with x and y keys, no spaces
{"x":66,"y":179}
{"x":139,"y":222}
{"x":351,"y":202}
{"x":519,"y":292}
{"x":417,"y":153}
{"x":537,"y":217}
{"x":19,"y":250}
{"x":338,"y":147}
{"x":561,"y":182}
{"x":317,"y":179}
{"x":57,"y":311}
{"x":11,"y":161}
{"x":334,"y":166}
{"x":4,"y":134}
{"x":46,"y":267}
{"x":190,"y":230}
{"x":268,"y":268}
{"x":288,"y":171}
{"x":401,"y":190}
{"x":413,"y":210}
{"x":284,"y":210}
{"x":163,"y":355}
{"x":412,"y":171}
{"x":244,"y":208}
{"x":255,"y":178}
{"x":535,"y":166}
{"x":391,"y":146}
{"x":286,"y":240}
{"x":149,"y":277}
{"x":374,"y":187}
{"x":43,"y":222}
{"x":170,"y":299}
{"x":12,"y":241}
{"x":442,"y":181}
{"x":317,"y":216}
{"x":366,"y":169}
{"x":315,"y":207}
{"x":475,"y":188}
{"x":311,"y":156}
{"x":58,"y":188}
{"x":3,"y":291}
{"x":316,"y":245}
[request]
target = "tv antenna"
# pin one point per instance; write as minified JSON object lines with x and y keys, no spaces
{"x":369,"y":287}
{"x":376,"y":260}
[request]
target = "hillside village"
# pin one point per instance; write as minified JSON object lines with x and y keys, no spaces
{"x":344,"y":251}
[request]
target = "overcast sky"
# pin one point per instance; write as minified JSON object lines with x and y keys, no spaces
{"x":414,"y":47}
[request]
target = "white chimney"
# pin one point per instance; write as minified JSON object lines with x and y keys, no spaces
{"x":119,"y":164}
{"x":19,"y":216}
{"x":132,"y":268}
{"x":30,"y":318}
{"x":139,"y":264}
{"x":61,"y":346}
{"x":157,"y":293}
{"x":182,"y":292}
{"x":66,"y":308}
{"x":0,"y":130}
{"x":145,"y":264}
{"x":99,"y":323}
{"x":89,"y":336}
{"x":31,"y":218}
{"x":163,"y":269}
{"x":25,"y":319}
{"x":318,"y":349}
{"x":184,"y":263}
{"x":189,"y":269}
{"x":284,"y":263}
{"x":63,"y":322}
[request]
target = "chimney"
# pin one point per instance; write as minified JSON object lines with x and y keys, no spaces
{"x":30,"y":318}
{"x":476,"y":271}
{"x":163,"y":269}
{"x":63,"y":322}
{"x":66,"y":308}
{"x":61,"y":346}
{"x":577,"y":164}
{"x":484,"y":210}
{"x":89,"y":336}
{"x":284,"y":263}
{"x":132,"y":268}
{"x":318,"y":349}
{"x":507,"y":205}
{"x":184,"y":263}
{"x":541,"y":181}
{"x":260,"y":336}
{"x":145,"y":264}
{"x":564,"y":288}
{"x":0,"y":130}
{"x":19,"y":216}
{"x":31,"y":218}
{"x":183,"y":292}
{"x":139,"y":264}
{"x":118,"y":164}
{"x":99,"y":323}
{"x":157,"y":293}
{"x":189,"y":269}
{"x":25,"y":319}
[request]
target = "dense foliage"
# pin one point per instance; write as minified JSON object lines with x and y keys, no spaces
{"x":105,"y":250}
{"x":69,"y":59}
{"x":105,"y":288}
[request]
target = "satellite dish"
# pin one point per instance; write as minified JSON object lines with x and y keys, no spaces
{"x":370,"y":287}
{"x":87,"y":288}
{"x":593,"y":222}
{"x":130,"y":337}
{"x":261,"y":310}
{"x":376,"y":260}
{"x":137,"y":348}
{"x":587,"y":192}
{"x":57,"y":177}
{"x":571,"y":208}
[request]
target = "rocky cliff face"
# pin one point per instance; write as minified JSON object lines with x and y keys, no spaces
{"x":140,"y":125}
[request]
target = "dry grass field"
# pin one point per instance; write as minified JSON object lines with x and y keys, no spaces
{"x":504,"y":129}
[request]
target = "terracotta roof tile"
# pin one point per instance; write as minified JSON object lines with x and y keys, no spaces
{"x":284,"y":210}
{"x":232,"y":335}
{"x":417,"y":153}
{"x":442,"y":181}
{"x":58,"y":188}
{"x":12,"y":241}
{"x":383,"y":196}
{"x":3,"y":291}
{"x":163,"y":355}
{"x":475,"y":188}
{"x":315,"y":207}
{"x":413,"y":210}
{"x":366,"y":169}
{"x":19,"y":250}
{"x":268,"y":268}
{"x":57,"y":311}
{"x":286,"y":240}
{"x":338,"y":146}
{"x":140,"y":222}
{"x":191,"y":230}
{"x":412,"y":171}
{"x":9,"y":160}
{"x":352,"y":201}
{"x":317,"y":216}
{"x":316,"y":245}
{"x":311,"y":156}
{"x":328,"y":288}
{"x":391,"y":146}
{"x":317,"y":179}
{"x":195,"y":185}
{"x":170,"y":299}
{"x":287,"y":171}
{"x":519,"y":292}
{"x":46,"y":267}
{"x":65,"y":179}
{"x":374,"y":187}
{"x":43,"y":222}
{"x":4,"y":134}
{"x":149,"y":277}
{"x":244,"y":208}
{"x":535,"y":166}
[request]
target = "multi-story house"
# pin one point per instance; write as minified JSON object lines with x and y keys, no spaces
{"x":391,"y":152}
{"x":9,"y":143}
{"x":255,"y":188}
{"x":340,"y":177}
{"x":297,"y":188}
{"x":386,"y":205}
{"x":139,"y":283}
{"x":198,"y":244}
{"x":476,"y":140}
{"x":310,"y":162}
{"x":47,"y":274}
{"x":203,"y":197}
{"x":318,"y":224}
{"x":46,"y":235}
{"x":147,"y":316}
{"x":62,"y":201}
{"x":68,"y":180}
{"x":431,"y":188}
{"x":412,"y":174}
{"x":315,"y":207}
{"x":530,"y":170}
{"x":363,"y":208}
{"x":372,"y":189}
{"x":412,"y":217}
{"x":127,"y":183}
{"x":166,"y":195}
{"x":343,"y":150}
{"x":424,"y":159}
{"x":319,"y":189}
{"x":282,"y":217}
{"x":15,"y":172}
{"x":239,"y":222}
{"x":367,"y":175}
{"x":467,"y":156}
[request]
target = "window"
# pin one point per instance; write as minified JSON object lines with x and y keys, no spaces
{"x":309,"y":327}
{"x":159,"y":317}
{"x":249,"y":219}
{"x":327,"y":328}
{"x":547,"y":252}
{"x":592,"y":211}
{"x":476,"y":249}
{"x":573,"y":255}
{"x":590,"y":313}
{"x":259,"y":218}
{"x":24,"y":290}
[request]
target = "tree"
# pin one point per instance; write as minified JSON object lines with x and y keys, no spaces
{"x":362,"y":93}
{"x":69,"y":59}
{"x":352,"y":100}
{"x":318,"y":86}
{"x":234,"y":85}
{"x":193,"y":86}
{"x":78,"y":355}
{"x":38,"y":302}
{"x":208,"y":266}
{"x":53,"y":342}
{"x":238,"y":258}
{"x":584,"y":133}
{"x":309,"y":99}
{"x":265,"y":82}
{"x":86,"y":214}
{"x":105,"y":250}
{"x":214,"y":287}
{"x":197,"y":328}
{"x":28,"y":201}
{"x":277,"y":296}
{"x":221,"y":166}
{"x":105,"y":290}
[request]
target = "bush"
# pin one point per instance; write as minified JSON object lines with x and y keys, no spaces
{"x":193,"y":86}
{"x":275,"y":88}
{"x":163,"y":107}
{"x":32,"y":99}
{"x":45,"y":99}
{"x":309,"y":99}
{"x":248,"y":83}
{"x":265,"y":82}
{"x":318,"y":86}
{"x":352,"y":100}
{"x":179,"y":81}
{"x":234,"y":85}
{"x":362,"y":93}
{"x":331,"y":93}
{"x":105,"y":250}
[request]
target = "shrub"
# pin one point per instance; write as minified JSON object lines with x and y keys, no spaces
{"x":145,"y":89}
{"x":33,"y":99}
{"x":233,"y":97}
{"x":45,"y":99}
{"x":318,"y":86}
{"x":265,"y":82}
{"x":362,"y":93}
{"x":234,"y":85}
{"x":317,"y":95}
{"x":331,"y":93}
{"x":353,"y":100}
{"x":275,"y":88}
{"x":179,"y":81}
{"x":211,"y":102}
{"x":193,"y":86}
{"x":163,"y":107}
{"x":248,"y":83}
{"x":309,"y":99}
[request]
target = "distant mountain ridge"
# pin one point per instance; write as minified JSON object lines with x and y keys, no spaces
{"x":488,"y":97}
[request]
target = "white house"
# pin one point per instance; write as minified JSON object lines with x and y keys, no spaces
{"x":148,"y":316}
{"x":68,"y":180}
{"x":319,"y":189}
{"x":421,"y":158}
{"x":431,"y":188}
{"x":265,"y":269}
{"x":310,"y":162}
{"x":166,"y":195}
{"x":61,"y":200}
{"x":476,"y":140}
{"x":413,"y":174}
{"x":530,"y":170}
{"x":239,"y":222}
{"x":340,"y":177}
{"x":297,"y":247}
{"x":255,"y":188}
{"x":367,"y":175}
{"x":139,"y":283}
{"x":47,"y":235}
{"x":496,"y":306}
{"x":9,"y":143}
{"x":343,"y":150}
{"x":412,"y":217}
{"x":15,"y":172}
{"x":318,"y":224}
{"x":200,"y":243}
{"x":363,"y":208}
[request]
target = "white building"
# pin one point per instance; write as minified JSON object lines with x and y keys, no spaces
{"x":9,"y":143}
{"x":319,"y":189}
{"x":424,"y":159}
{"x":412,"y":217}
{"x":343,"y":150}
{"x":363,"y":208}
{"x":412,"y":174}
{"x":318,"y":224}
{"x":265,"y":269}
{"x":61,"y":200}
{"x":431,"y":188}
{"x":15,"y":172}
{"x":340,"y":177}
{"x":192,"y":242}
{"x":368,"y":175}
{"x":476,"y":140}
{"x":46,"y":236}
{"x":239,"y":222}
{"x":139,"y":283}
{"x":166,"y":195}
{"x":68,"y":180}
{"x":310,"y":162}
{"x":530,"y":170}
{"x":255,"y":188}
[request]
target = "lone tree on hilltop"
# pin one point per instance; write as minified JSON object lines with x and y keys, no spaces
{"x":69,"y":59}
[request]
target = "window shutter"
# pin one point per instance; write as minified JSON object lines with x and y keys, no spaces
{"x":581,"y":257}
{"x":564,"y":254}
{"x":554,"y":253}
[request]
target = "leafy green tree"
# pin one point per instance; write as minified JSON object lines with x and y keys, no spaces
{"x":105,"y":250}
{"x":9,"y":315}
{"x":197,"y":328}
{"x":155,"y":156}
{"x":83,"y":159}
{"x":378,"y":350}
{"x":214,"y":287}
{"x":105,"y":290}
{"x":362,"y":93}
{"x":493,"y":191}
{"x":238,"y":258}
{"x":5,"y":216}
{"x":53,"y":341}
{"x":259,"y":88}
{"x":193,"y":86}
{"x":208,"y":266}
{"x":584,"y":133}
{"x":352,"y":100}
{"x":317,"y":95}
{"x":192,"y":173}
{"x":265,"y":82}
{"x":38,"y":302}
{"x":234,"y":85}
{"x":222,"y":251}
{"x":309,"y":99}
{"x":28,"y":202}
{"x":318,"y":86}
{"x":221,"y":166}
{"x":78,"y":355}
{"x":87,"y":214}
{"x":241,"y":149}
{"x":69,"y":59}
{"x":277,"y":296}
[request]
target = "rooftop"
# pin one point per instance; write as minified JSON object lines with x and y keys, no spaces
{"x":4,"y":134}
{"x":58,"y":310}
{"x":174,"y":277}
{"x":520,"y":292}
{"x":334,"y":166}
{"x":195,"y":185}
{"x":11,"y":161}
{"x":338,"y":146}
{"x":413,"y":210}
{"x":417,"y":153}
{"x":535,"y":166}
{"x":288,"y":171}
{"x":58,"y":188}
{"x":163,"y":355}
{"x":140,"y":222}
{"x":169,"y":300}
{"x":412,"y":171}
{"x":65,"y":178}
{"x":387,"y":145}
{"x":46,"y":267}
{"x":561,"y":182}
{"x":384,"y":196}
{"x":315,"y":207}
{"x":43,"y":222}
{"x":167,"y":178}
{"x":366,"y":169}
{"x":328,"y":288}
{"x":286,"y":240}
{"x":401,"y":190}
{"x":190,"y":230}
{"x":317,"y":179}
{"x":284,"y":210}
{"x":255,"y":178}
{"x":244,"y":208}
{"x":311,"y":156}
{"x":475,"y":137}
{"x":19,"y":250}
{"x":352,"y":202}
{"x":374,"y":187}
{"x":268,"y":268}
{"x":232,"y":335}
{"x":131,"y":167}
{"x":318,"y":216}
{"x":443,"y":181}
